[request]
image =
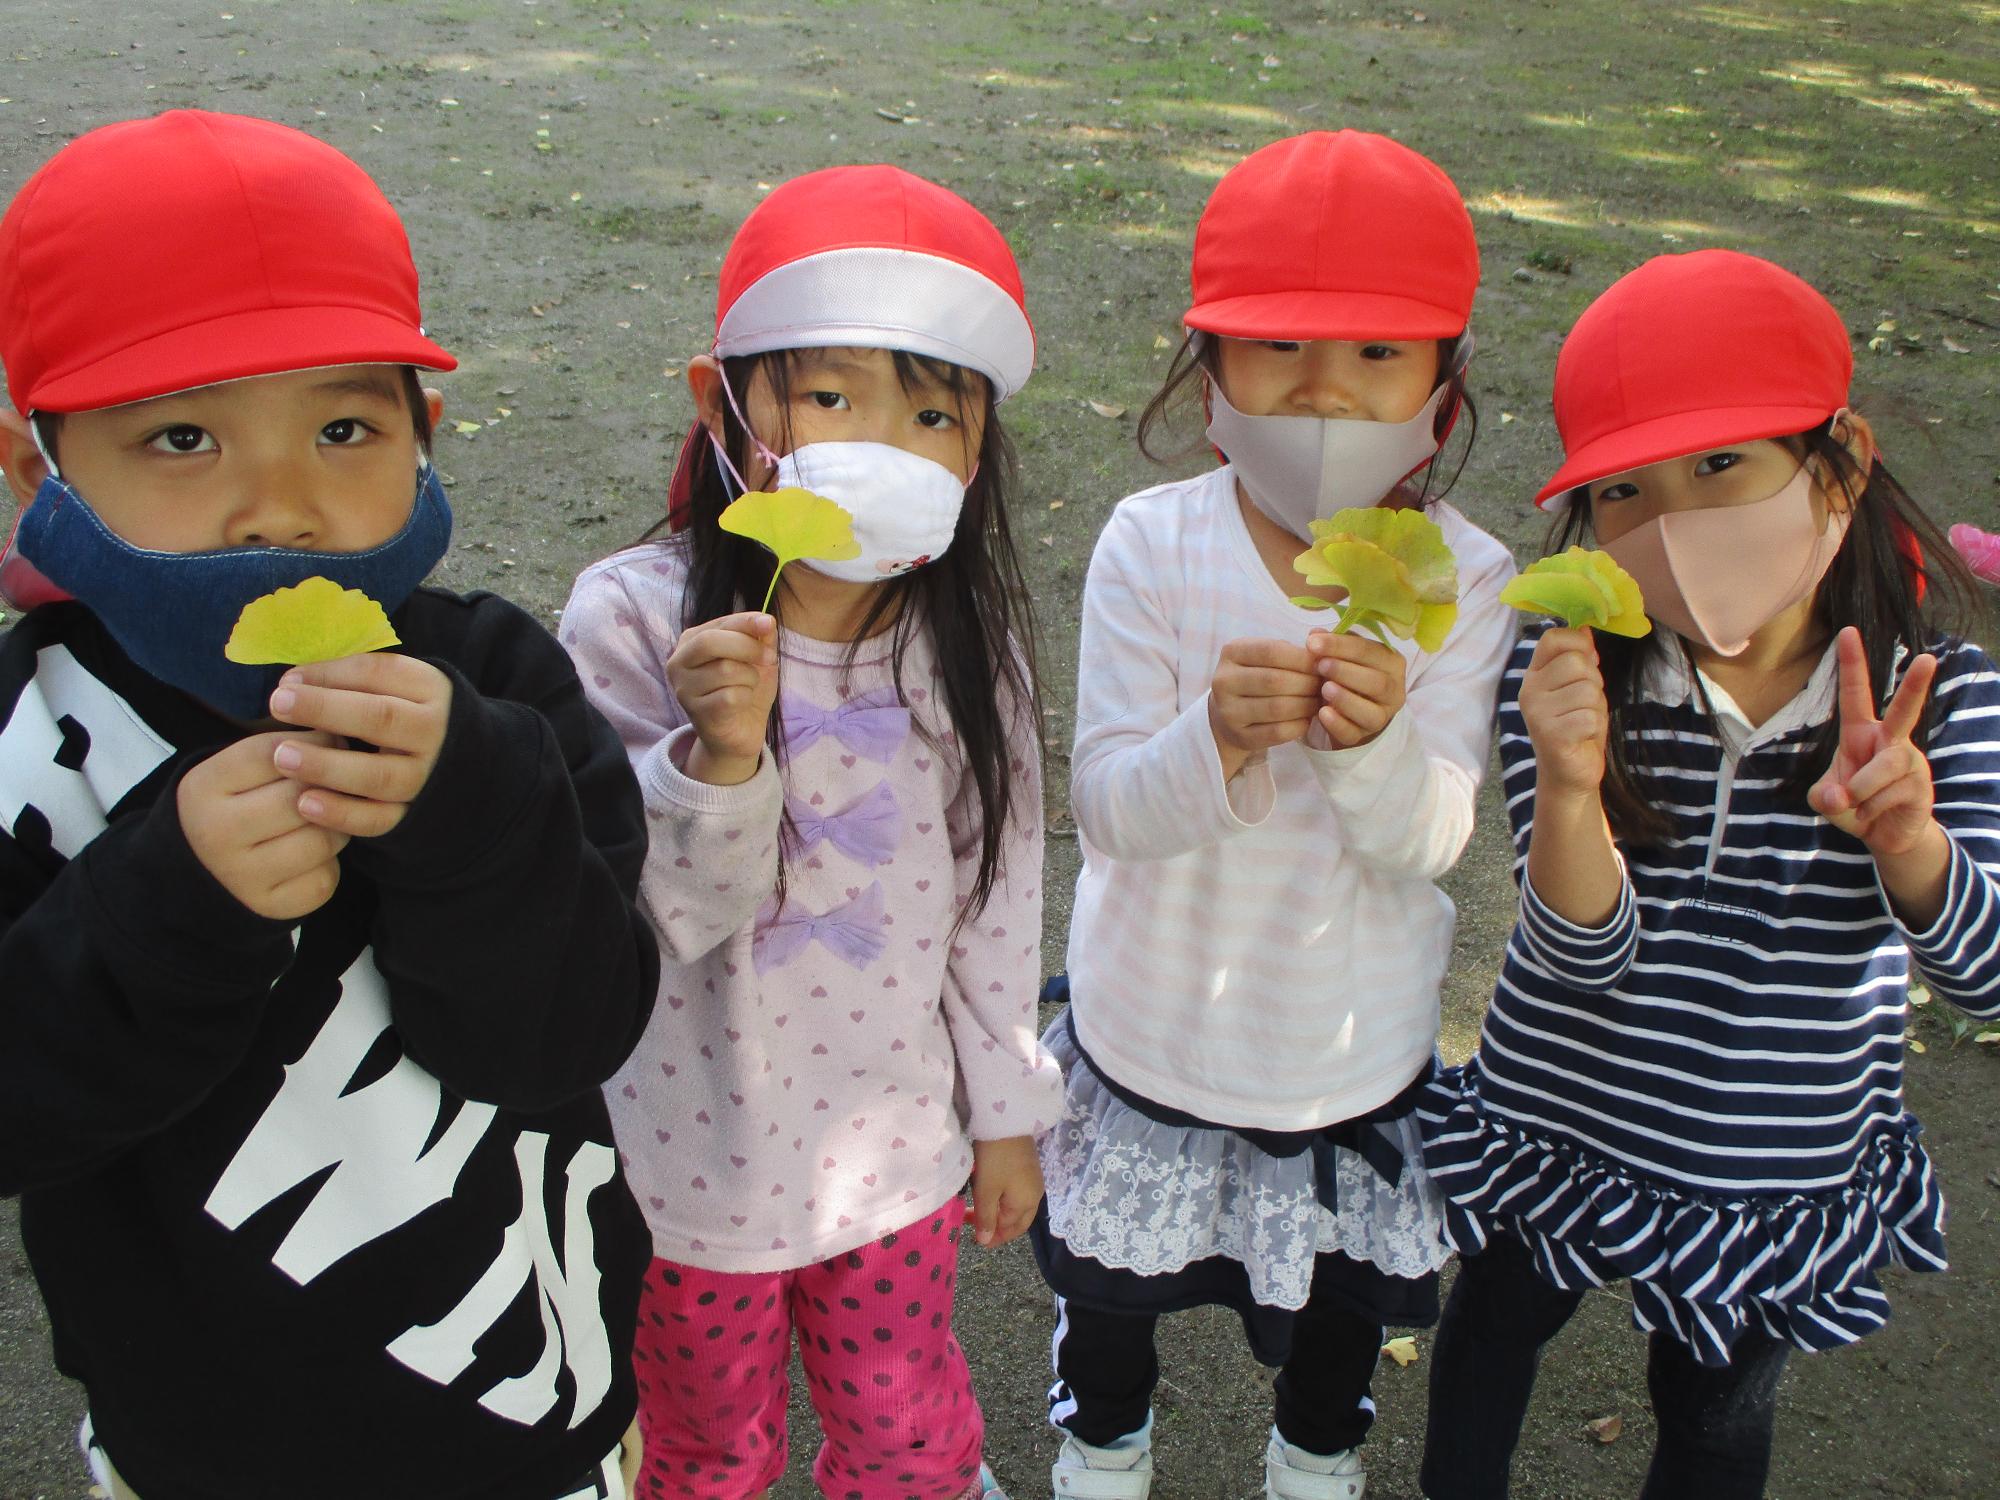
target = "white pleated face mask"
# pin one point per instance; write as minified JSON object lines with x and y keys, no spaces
{"x":905,"y":506}
{"x":1298,"y":470}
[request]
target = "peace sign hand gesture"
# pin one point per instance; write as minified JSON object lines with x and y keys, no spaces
{"x":1878,"y":787}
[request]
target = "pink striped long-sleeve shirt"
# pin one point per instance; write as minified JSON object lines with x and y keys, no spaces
{"x":1265,"y":952}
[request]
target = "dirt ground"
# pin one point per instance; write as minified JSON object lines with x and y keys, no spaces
{"x":571,"y":169}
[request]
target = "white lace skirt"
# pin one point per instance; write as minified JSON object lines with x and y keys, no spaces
{"x":1140,"y":1196}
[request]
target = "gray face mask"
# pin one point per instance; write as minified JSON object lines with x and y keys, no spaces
{"x":1298,"y":470}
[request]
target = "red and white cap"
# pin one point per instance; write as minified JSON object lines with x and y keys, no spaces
{"x":162,"y":254}
{"x":1334,"y":235}
{"x":1689,"y":352}
{"x":875,"y":257}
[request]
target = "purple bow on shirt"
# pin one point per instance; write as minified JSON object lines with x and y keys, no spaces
{"x":867,"y":830}
{"x":874,"y":724}
{"x":852,"y":933}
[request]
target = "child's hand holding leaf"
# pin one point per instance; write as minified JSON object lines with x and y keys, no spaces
{"x":793,"y":523}
{"x":1363,"y":683}
{"x":724,"y":673}
{"x":1264,"y":693}
{"x":1580,"y":587}
{"x":1399,"y":576}
{"x":342,"y":685}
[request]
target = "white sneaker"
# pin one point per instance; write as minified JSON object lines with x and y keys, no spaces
{"x":1293,"y":1474}
{"x":1083,"y":1472}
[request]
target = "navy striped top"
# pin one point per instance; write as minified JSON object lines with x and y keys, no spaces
{"x":1705,"y":1094}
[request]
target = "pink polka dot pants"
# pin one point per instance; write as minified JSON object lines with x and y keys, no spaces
{"x":884,"y":1372}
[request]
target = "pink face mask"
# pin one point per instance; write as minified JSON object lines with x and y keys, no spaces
{"x":1718,"y":576}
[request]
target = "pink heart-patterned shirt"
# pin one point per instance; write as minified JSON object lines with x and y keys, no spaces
{"x":814,"y":1072}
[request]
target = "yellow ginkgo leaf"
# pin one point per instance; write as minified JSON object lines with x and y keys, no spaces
{"x":1399,"y":576}
{"x":1434,"y":622}
{"x":318,"y":620}
{"x":1581,"y":587}
{"x":793,"y":523}
{"x":1402,"y":1350}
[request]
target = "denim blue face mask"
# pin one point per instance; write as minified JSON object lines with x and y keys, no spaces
{"x":172,"y":612}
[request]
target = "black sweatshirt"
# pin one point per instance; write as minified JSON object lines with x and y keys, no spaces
{"x":327,"y":1208}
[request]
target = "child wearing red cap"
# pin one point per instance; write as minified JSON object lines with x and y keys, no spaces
{"x":846,"y":1026}
{"x":1265,"y":807}
{"x":312,"y":974}
{"x":1736,"y":834}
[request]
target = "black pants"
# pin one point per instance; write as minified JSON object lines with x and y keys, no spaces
{"x":1106,"y":1370}
{"x":1714,"y":1424}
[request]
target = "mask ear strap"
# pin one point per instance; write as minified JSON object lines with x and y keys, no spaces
{"x":729,"y":394}
{"x":1448,"y":412}
{"x":41,"y":447}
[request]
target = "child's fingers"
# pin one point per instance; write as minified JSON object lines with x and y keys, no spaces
{"x":749,"y":622}
{"x":1899,"y":719}
{"x":1563,"y":669}
{"x":1282,"y":656}
{"x":1572,"y":697}
{"x":1895,"y":762}
{"x":385,"y":673}
{"x":1345,"y":733}
{"x":1270,"y":736}
{"x":717,"y":641}
{"x":380,"y":778}
{"x":1268,"y":682}
{"x":379,"y":719}
{"x":1357,"y":677}
{"x":1328,"y":645}
{"x":985,"y":1211}
{"x":252,"y":819}
{"x":1901,"y":793}
{"x":244,"y":765}
{"x":1246,"y":712}
{"x":1368,"y":711}
{"x":298,"y":851}
{"x":1564,"y":641}
{"x":1830,"y":800}
{"x":1857,"y":694}
{"x":351,"y":817}
{"x":1014,"y":1221}
{"x":304,"y":892}
{"x":716,"y":675}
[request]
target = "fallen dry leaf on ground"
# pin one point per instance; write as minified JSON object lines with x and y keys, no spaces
{"x":1402,"y":1350}
{"x":1607,"y":1429}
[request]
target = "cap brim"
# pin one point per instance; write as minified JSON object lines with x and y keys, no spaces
{"x":268,"y":341}
{"x":885,"y":297}
{"x":1674,"y":436}
{"x":1325,"y":315}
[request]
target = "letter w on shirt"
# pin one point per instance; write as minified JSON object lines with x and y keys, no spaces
{"x":373,"y":1138}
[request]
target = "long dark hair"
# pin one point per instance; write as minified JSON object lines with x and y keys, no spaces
{"x":1896,"y":578}
{"x":1180,"y":399}
{"x":972,"y":599}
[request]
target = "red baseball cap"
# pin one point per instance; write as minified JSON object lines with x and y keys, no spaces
{"x":158,"y":255}
{"x":1334,"y":235}
{"x":1689,"y":352}
{"x":875,"y":257}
